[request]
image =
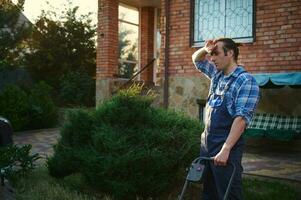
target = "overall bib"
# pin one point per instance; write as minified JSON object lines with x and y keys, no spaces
{"x":218,"y":123}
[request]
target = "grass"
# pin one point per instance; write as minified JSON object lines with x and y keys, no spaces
{"x":264,"y":190}
{"x":38,"y":185}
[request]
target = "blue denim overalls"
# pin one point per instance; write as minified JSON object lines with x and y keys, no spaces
{"x":218,"y":123}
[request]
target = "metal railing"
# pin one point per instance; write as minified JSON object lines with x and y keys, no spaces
{"x":135,"y":75}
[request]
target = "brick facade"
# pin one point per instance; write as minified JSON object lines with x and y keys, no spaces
{"x":147,"y":41}
{"x":277,"y":48}
{"x":277,"y":45}
{"x":278,"y":38}
{"x":107,"y":40}
{"x":107,"y":48}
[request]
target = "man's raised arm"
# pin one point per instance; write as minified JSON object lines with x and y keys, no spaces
{"x":200,"y":54}
{"x":200,"y":61}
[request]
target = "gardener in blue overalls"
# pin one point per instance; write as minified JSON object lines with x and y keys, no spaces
{"x":231,"y":103}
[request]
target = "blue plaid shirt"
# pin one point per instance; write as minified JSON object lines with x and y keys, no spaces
{"x":242,"y":95}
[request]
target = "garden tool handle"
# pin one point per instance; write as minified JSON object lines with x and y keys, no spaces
{"x":207,"y":158}
{"x":198,"y":159}
{"x":231,"y":178}
{"x":230,"y":181}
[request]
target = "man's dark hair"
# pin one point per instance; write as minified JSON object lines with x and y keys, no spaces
{"x":229,"y":44}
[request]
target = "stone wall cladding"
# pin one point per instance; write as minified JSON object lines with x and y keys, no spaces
{"x":184,"y":91}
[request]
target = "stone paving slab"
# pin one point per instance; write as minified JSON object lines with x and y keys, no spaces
{"x":42,"y":141}
{"x":280,"y":165}
{"x":258,"y":162}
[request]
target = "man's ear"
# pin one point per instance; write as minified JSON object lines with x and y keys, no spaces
{"x":230,"y":53}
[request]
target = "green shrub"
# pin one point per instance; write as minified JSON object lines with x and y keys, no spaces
{"x":126,"y":148}
{"x":14,"y":106}
{"x":43,"y":112}
{"x":76,"y":134}
{"x":16,"y":160}
{"x":77,"y":89}
{"x":31,"y":109}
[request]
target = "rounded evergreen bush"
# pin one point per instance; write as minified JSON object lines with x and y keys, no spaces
{"x":28,"y":109}
{"x":126,"y":147}
{"x":43,"y":112}
{"x":14,"y":106}
{"x":77,"y":88}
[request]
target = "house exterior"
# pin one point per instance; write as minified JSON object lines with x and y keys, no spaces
{"x":171,"y":30}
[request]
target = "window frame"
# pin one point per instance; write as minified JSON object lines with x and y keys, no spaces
{"x":139,"y":35}
{"x":193,"y":43}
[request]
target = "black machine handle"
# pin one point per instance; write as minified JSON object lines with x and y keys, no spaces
{"x":198,"y":161}
{"x":231,"y":178}
{"x":204,"y":158}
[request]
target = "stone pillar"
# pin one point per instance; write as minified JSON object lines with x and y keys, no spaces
{"x":107,"y":48}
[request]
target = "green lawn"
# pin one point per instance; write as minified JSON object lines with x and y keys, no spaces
{"x":268,"y":190}
{"x":38,"y":185}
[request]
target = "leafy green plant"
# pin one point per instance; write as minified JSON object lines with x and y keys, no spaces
{"x":60,"y":44}
{"x":14,"y":106}
{"x":30,"y":109}
{"x":16,"y":160}
{"x":126,"y":147}
{"x":77,"y":89}
{"x":43,"y":113}
{"x":13,"y":34}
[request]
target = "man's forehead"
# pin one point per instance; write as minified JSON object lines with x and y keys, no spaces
{"x":217,"y":45}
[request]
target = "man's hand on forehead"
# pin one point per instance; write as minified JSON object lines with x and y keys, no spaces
{"x":209,"y":46}
{"x":214,"y":50}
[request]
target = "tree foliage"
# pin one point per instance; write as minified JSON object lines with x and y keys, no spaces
{"x":14,"y":30}
{"x":61,"y":45}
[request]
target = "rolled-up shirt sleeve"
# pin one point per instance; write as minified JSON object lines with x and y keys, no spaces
{"x":247,"y":100}
{"x":208,"y":68}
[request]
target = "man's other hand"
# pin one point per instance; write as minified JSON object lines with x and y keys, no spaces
{"x":221,"y":158}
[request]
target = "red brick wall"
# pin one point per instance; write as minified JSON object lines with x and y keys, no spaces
{"x":277,"y":46}
{"x":107,"y":40}
{"x":278,"y":37}
{"x":147,"y":41}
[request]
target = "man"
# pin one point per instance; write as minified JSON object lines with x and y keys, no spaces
{"x":231,"y":103}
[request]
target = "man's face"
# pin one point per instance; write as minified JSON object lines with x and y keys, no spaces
{"x":219,"y":58}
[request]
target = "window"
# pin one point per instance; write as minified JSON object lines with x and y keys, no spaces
{"x":128,"y":41}
{"x":157,"y":44}
{"x":223,"y":18}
